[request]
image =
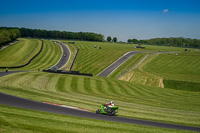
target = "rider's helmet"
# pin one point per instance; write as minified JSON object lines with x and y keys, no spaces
{"x":111,"y":102}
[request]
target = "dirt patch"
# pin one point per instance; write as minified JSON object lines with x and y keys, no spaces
{"x":161,"y":83}
{"x":127,"y":77}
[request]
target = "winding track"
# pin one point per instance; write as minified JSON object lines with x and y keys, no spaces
{"x":10,"y":100}
{"x":65,"y":56}
{"x":106,"y":72}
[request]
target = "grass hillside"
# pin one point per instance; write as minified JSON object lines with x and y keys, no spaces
{"x":49,"y":56}
{"x":139,"y":76}
{"x":178,"y":72}
{"x":134,"y":100}
{"x":168,"y":70}
{"x":93,"y":60}
{"x":183,"y":67}
{"x":21,"y":120}
{"x":19,"y":53}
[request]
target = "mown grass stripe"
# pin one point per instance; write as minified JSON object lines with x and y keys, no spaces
{"x":48,"y":57}
{"x":93,"y":86}
{"x":80,"y":85}
{"x":99,"y":86}
{"x":51,"y":85}
{"x":112,"y":89}
{"x":147,"y":91}
{"x":123,"y":89}
{"x":10,"y":78}
{"x":87,"y":87}
{"x":60,"y":84}
{"x":67,"y":84}
{"x":183,"y":67}
{"x":135,"y":90}
{"x":19,"y":53}
{"x":40,"y":82}
{"x":74,"y":84}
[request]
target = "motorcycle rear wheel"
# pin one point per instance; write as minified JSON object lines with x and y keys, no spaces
{"x":98,"y":111}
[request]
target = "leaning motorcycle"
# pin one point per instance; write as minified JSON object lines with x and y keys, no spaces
{"x":108,"y":111}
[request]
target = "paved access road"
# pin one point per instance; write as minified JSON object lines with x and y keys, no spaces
{"x":9,"y":100}
{"x":106,"y":72}
{"x":65,"y":56}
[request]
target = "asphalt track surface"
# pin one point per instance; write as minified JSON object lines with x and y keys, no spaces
{"x":65,"y":55}
{"x":106,"y":72}
{"x":14,"y":101}
{"x":9,"y":72}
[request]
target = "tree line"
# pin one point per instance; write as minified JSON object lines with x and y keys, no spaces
{"x":38,"y":33}
{"x":172,"y":41}
{"x":8,"y":35}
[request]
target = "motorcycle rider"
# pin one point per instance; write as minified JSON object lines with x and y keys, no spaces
{"x":108,"y":105}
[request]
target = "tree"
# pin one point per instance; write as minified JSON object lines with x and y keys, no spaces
{"x":129,"y":41}
{"x":88,"y":36}
{"x":174,"y":41}
{"x":8,"y":35}
{"x":109,"y":38}
{"x":135,"y":41}
{"x":115,"y":39}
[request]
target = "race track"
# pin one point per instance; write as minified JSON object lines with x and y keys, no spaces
{"x":3,"y":73}
{"x":29,"y":104}
{"x":106,"y":72}
{"x":14,"y":101}
{"x":65,"y":56}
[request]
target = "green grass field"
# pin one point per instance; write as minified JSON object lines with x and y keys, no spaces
{"x":93,"y":60}
{"x":169,"y":71}
{"x":134,"y":100}
{"x":146,"y":95}
{"x":139,"y":76}
{"x":179,"y":72}
{"x":25,"y":121}
{"x":19,"y":53}
{"x":184,"y":67}
{"x":49,"y":56}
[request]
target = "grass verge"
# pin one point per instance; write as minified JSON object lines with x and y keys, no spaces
{"x":134,"y":100}
{"x":21,"y":120}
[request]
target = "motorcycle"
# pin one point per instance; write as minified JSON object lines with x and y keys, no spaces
{"x":108,"y":111}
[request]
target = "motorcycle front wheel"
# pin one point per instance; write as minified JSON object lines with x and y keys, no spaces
{"x":111,"y":113}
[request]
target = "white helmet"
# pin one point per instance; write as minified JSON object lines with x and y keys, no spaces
{"x":111,"y":102}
